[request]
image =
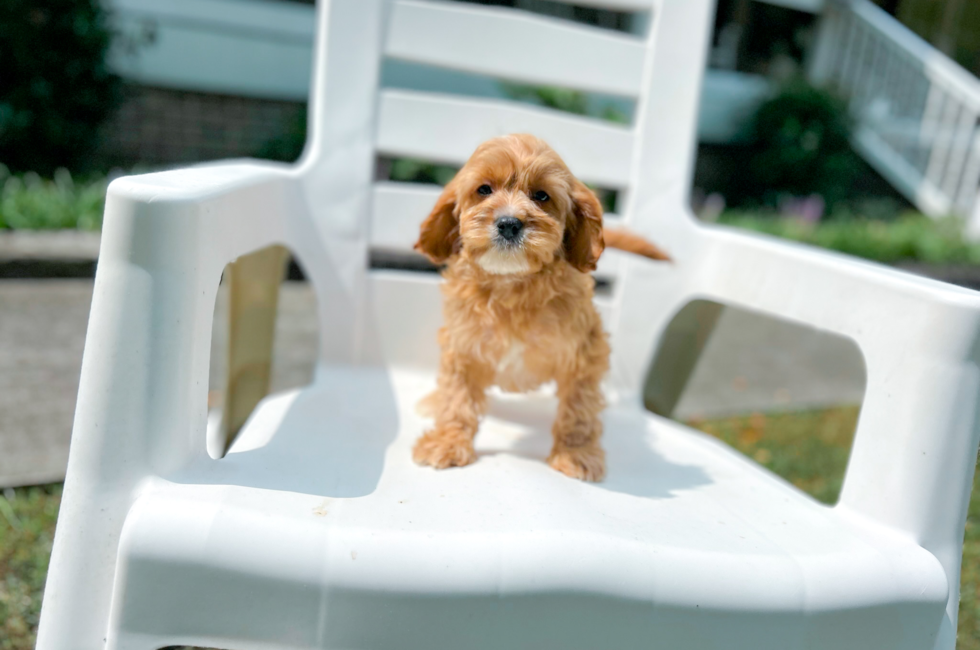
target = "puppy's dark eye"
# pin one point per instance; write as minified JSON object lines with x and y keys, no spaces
{"x":541,"y":196}
{"x":484,"y":190}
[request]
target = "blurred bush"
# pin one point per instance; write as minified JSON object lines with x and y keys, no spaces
{"x":32,"y":203}
{"x":911,"y":237}
{"x":563,"y":99}
{"x":801,"y":146}
{"x":410,"y":170}
{"x":55,"y":86}
{"x":288,"y":146}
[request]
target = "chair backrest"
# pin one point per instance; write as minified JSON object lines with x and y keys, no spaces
{"x":354,"y":122}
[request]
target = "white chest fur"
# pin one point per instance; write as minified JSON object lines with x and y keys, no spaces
{"x":513,"y":359}
{"x":512,"y":374}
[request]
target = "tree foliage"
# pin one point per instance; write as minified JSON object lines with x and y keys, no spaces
{"x":56,"y":86}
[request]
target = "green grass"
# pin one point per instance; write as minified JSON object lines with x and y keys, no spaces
{"x":30,"y":202}
{"x":911,"y":237}
{"x":27,"y":518}
{"x":809,"y":449}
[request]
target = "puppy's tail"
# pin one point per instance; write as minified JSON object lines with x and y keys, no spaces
{"x":624,"y":240}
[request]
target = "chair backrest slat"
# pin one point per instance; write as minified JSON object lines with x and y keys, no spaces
{"x":516,"y":45}
{"x":397,"y":210}
{"x":447,"y":128}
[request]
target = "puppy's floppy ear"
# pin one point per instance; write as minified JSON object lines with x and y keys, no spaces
{"x":583,"y":232}
{"x":439,"y":234}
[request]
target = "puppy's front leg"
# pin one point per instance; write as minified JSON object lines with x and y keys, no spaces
{"x":577,"y":428}
{"x":460,"y":401}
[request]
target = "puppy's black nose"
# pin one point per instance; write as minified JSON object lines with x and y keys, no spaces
{"x":509,"y":227}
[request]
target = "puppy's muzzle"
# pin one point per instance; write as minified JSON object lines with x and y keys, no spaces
{"x":509,"y":228}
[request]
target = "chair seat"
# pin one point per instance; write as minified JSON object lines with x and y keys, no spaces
{"x":318,"y":531}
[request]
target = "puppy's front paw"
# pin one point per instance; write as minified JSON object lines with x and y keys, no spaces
{"x":587,"y":462}
{"x":442,"y":449}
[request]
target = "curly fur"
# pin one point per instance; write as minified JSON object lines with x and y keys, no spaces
{"x":518,"y":315}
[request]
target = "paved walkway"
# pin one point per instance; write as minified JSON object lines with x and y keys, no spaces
{"x":42,"y":333}
{"x":42,"y":330}
{"x":756,"y":363}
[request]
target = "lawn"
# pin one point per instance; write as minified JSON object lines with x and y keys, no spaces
{"x":27,"y":518}
{"x":809,"y":449}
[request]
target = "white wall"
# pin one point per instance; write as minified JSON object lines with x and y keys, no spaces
{"x":255,"y":48}
{"x":263,"y":48}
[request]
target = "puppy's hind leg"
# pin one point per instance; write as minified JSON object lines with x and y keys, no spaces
{"x":459,"y":401}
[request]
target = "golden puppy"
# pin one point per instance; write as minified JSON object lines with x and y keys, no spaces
{"x":520,"y":235}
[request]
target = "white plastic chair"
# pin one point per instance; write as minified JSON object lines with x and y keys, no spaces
{"x":318,"y":531}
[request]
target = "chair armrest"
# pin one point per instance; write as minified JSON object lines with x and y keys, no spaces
{"x":166,"y":239}
{"x":142,"y":399}
{"x":917,"y":438}
{"x":915,"y":449}
{"x":230,"y":207}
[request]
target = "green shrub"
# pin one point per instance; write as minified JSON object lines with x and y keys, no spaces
{"x":288,"y":146}
{"x":801,"y":146}
{"x":563,"y":99}
{"x":911,"y":237}
{"x":29,"y":202}
{"x":56,"y":88}
{"x":411,"y":170}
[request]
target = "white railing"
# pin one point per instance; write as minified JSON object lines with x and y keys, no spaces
{"x":916,"y":110}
